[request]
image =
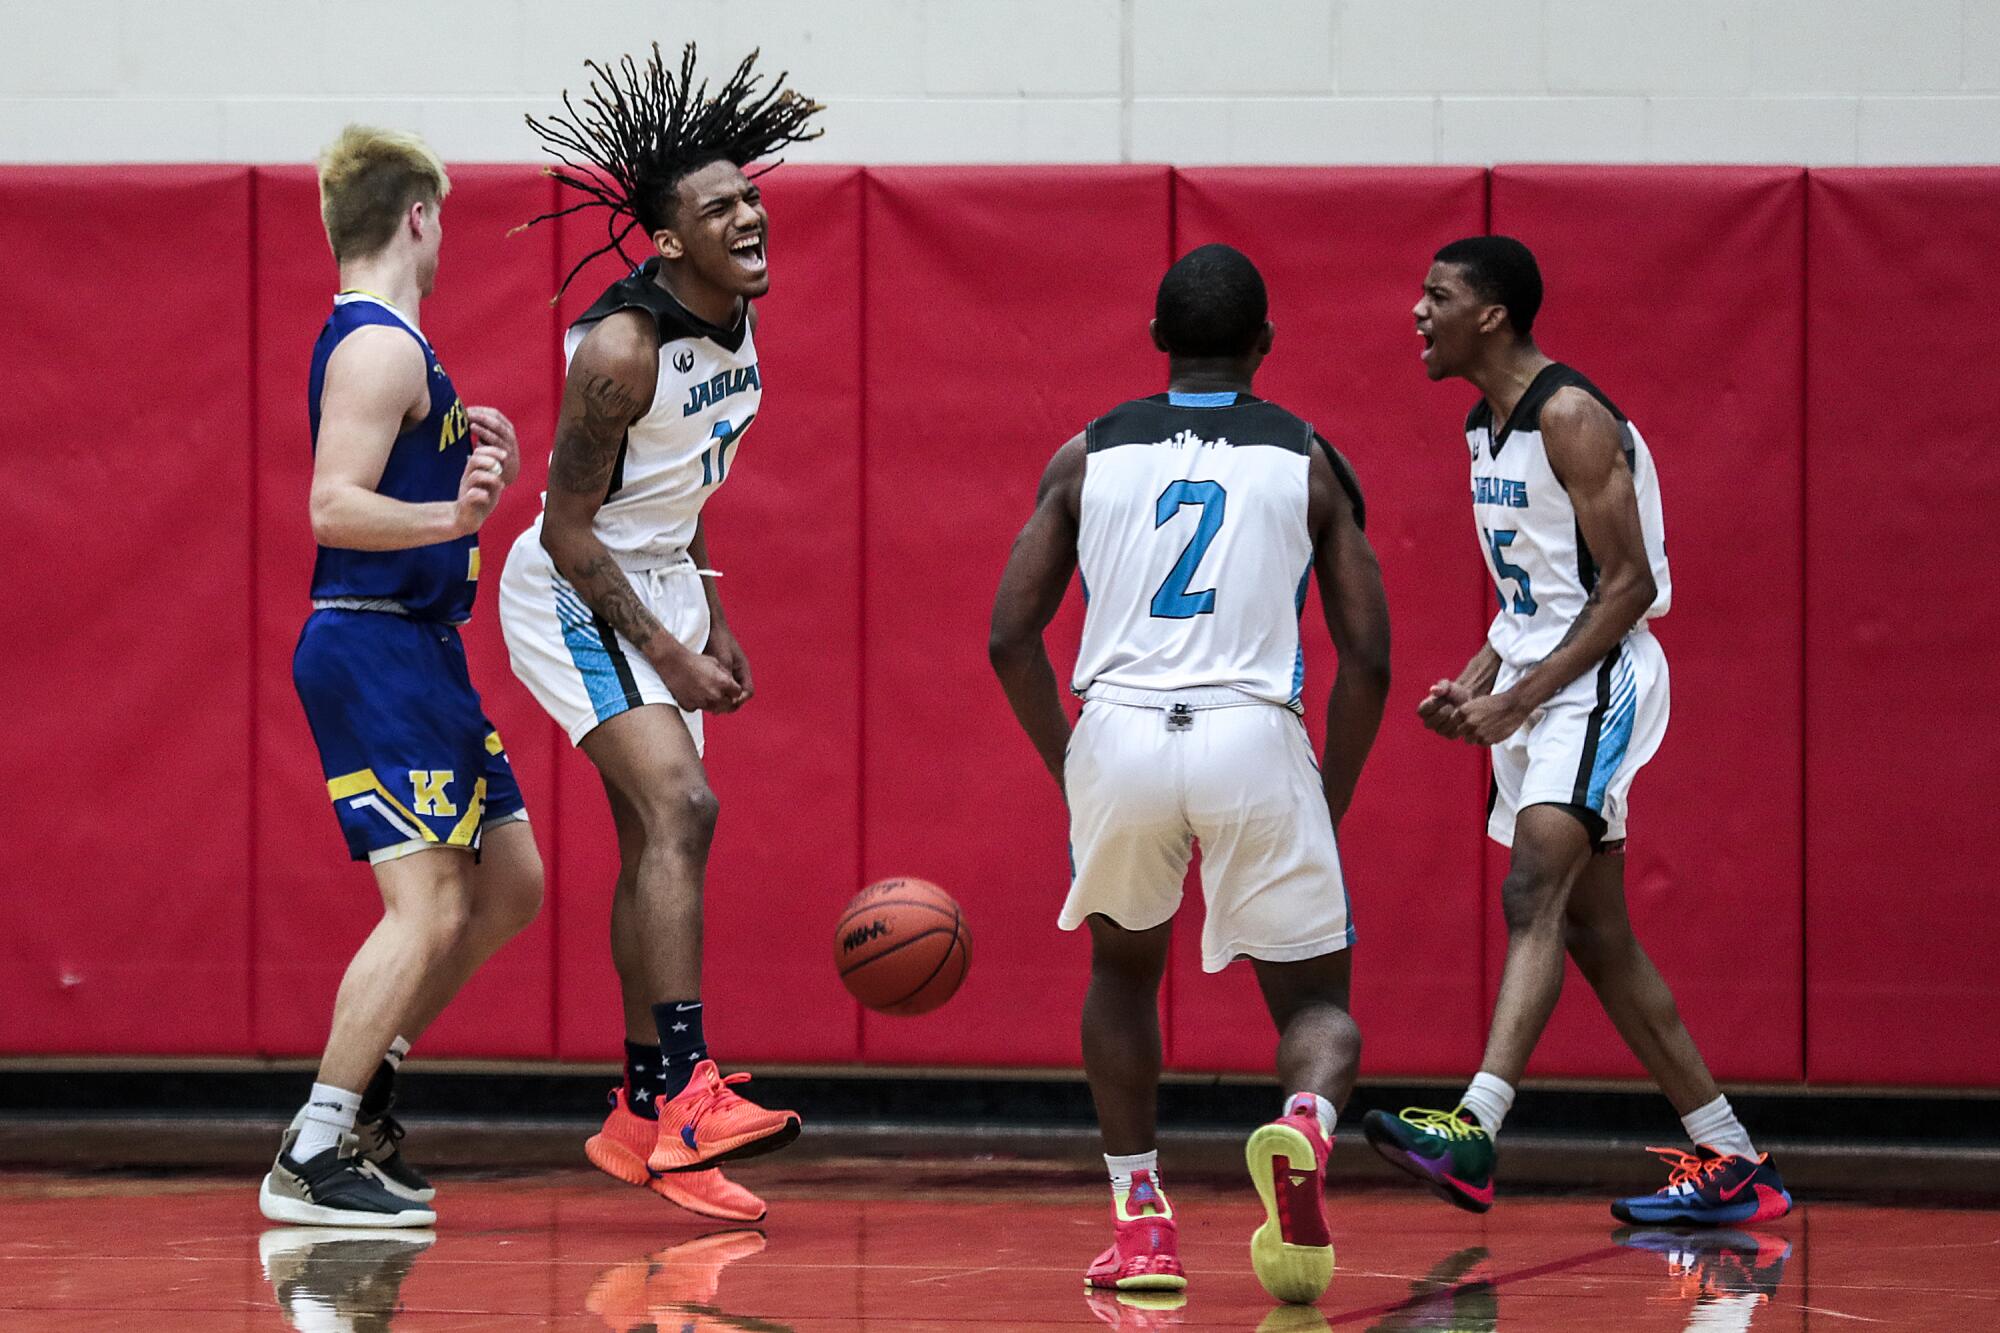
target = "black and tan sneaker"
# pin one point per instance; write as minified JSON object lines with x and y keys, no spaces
{"x":381,"y":1141}
{"x":334,"y":1188}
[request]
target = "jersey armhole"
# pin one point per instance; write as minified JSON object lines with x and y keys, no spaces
{"x":1343,"y":472}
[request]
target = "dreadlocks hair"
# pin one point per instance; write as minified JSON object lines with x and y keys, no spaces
{"x":641,"y":129}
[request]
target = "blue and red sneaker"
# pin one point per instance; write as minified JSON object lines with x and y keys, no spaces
{"x":1706,"y":1188}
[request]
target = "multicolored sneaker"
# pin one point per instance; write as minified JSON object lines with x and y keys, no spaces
{"x":1713,"y":1266}
{"x":1145,"y":1253}
{"x":705,"y":1123}
{"x":1447,"y":1150}
{"x":1292,"y":1253}
{"x":1706,"y":1188}
{"x":620,"y":1149}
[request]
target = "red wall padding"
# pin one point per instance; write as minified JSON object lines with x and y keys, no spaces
{"x":125,"y":504}
{"x":1902,"y":628}
{"x":492,"y":327}
{"x":933,"y":334}
{"x":1343,"y":253}
{"x":786,"y":532}
{"x":1004,"y":310}
{"x":1678,"y":292}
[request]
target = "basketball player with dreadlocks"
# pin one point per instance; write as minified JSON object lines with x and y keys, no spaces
{"x":612,"y":618}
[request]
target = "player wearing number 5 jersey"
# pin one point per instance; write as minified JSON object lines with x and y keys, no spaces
{"x":1195,"y":521}
{"x":1570,"y":693}
{"x":612,"y":618}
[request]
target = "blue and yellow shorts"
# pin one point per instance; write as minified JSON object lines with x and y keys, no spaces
{"x":410,"y":759}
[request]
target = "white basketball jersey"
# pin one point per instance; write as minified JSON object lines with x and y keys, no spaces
{"x":1527,"y":525}
{"x":684,"y":447}
{"x":1193,"y":547}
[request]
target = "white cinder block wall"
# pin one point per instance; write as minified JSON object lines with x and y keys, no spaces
{"x":1182,"y":81}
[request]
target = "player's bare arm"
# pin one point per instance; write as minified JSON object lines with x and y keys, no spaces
{"x":375,"y":388}
{"x":1031,"y":591}
{"x":723,"y":645}
{"x":1357,"y":616}
{"x":610,"y":385}
{"x":1588,"y":458}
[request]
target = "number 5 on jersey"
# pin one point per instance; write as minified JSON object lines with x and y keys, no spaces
{"x":1524,"y":596}
{"x":1173,"y":601}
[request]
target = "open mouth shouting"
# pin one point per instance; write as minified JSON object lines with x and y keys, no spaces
{"x":748,"y":252}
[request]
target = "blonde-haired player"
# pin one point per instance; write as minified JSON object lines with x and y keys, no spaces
{"x":404,"y":474}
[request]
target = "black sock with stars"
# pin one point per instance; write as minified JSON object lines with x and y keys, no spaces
{"x":682,"y":1046}
{"x":642,"y":1079}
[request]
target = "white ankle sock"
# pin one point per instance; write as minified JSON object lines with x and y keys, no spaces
{"x":1716,"y":1126}
{"x":1322,"y":1108}
{"x":330,"y":1113}
{"x":1121,"y":1169}
{"x":1489,"y":1099}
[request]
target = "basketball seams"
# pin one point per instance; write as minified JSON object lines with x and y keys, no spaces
{"x":957,"y":918}
{"x":939,"y":908}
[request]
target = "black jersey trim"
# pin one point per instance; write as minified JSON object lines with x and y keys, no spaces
{"x":1527,"y":413}
{"x":619,"y":665}
{"x":640,"y":290}
{"x":1343,"y":472}
{"x":1153,"y":419}
{"x":618,"y":467}
{"x":1594,"y":729}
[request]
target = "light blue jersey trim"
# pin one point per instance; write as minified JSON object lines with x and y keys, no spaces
{"x":588,"y":653}
{"x":1176,"y":398}
{"x":1615,"y":735}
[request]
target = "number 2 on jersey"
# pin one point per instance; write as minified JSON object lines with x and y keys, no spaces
{"x":1524,"y":595}
{"x":1173,"y":601}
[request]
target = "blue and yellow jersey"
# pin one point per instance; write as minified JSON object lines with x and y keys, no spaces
{"x":435,"y":582}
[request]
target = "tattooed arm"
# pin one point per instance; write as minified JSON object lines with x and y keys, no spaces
{"x":609,"y":386}
{"x":1588,"y":458}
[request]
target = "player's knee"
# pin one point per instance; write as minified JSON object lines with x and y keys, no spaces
{"x":682,"y":815}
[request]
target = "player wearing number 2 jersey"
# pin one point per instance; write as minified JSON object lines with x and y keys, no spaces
{"x":612,"y":619}
{"x":1195,"y":520}
{"x":1570,"y":691}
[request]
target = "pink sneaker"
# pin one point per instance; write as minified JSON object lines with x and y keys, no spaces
{"x":1145,"y":1256}
{"x":1292,"y":1252}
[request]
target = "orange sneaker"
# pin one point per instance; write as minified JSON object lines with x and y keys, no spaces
{"x":620,"y":1149}
{"x":706,"y":1123}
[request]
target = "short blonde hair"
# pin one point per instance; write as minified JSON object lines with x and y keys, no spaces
{"x":368,"y":178}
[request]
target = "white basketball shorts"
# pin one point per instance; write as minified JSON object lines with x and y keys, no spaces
{"x":579,"y":668}
{"x":1146,"y":780}
{"x":1584,"y":746}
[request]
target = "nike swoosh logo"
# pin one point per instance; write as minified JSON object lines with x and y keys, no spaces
{"x":1483,"y":1195}
{"x":687,"y":1136}
{"x":683,"y":1008}
{"x":1735,"y":1189}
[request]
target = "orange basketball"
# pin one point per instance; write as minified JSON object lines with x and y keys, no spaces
{"x":902,"y":946}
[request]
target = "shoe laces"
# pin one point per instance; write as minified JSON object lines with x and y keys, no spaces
{"x":1445,"y":1124}
{"x":1686,"y":1168}
{"x":386,"y":1131}
{"x":717,"y":1095}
